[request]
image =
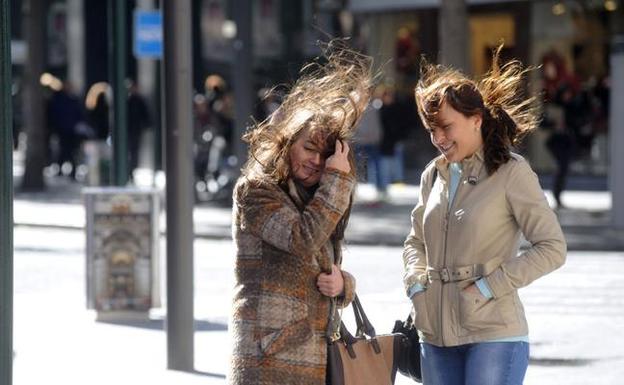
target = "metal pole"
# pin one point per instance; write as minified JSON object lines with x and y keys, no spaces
{"x":6,"y":199}
{"x":242,"y":75}
{"x":616,"y":131}
{"x":453,"y":34}
{"x":120,"y":94}
{"x":178,"y":78}
{"x":34,"y":12}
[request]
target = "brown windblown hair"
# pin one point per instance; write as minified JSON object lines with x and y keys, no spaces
{"x":328,"y":99}
{"x":507,"y":118}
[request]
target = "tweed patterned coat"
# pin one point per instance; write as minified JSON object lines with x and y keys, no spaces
{"x":280,"y":318}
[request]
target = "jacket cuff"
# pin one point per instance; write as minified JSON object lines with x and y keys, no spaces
{"x":349,"y":290}
{"x":414,"y":278}
{"x":416,"y":288}
{"x":497,"y":283}
{"x":484,"y":288}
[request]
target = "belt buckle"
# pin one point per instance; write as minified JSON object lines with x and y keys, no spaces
{"x":445,"y":275}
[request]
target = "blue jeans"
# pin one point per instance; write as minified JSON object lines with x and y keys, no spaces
{"x":485,"y":363}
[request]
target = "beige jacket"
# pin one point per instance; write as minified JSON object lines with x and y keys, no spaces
{"x":479,"y":236}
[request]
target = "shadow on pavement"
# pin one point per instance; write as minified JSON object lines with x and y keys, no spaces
{"x":208,"y":374}
{"x":159,"y":324}
{"x":559,"y":362}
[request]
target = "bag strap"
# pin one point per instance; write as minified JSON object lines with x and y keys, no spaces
{"x":364,"y":328}
{"x":409,"y":321}
{"x":361,"y":319}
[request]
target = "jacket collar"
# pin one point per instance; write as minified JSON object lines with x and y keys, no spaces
{"x":472,"y":166}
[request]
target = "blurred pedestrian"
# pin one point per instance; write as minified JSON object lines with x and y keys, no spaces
{"x":291,"y":207}
{"x":558,"y":91}
{"x":560,"y":144}
{"x":395,"y":123}
{"x":138,"y":120}
{"x":221,"y":107}
{"x":65,"y":116}
{"x":97,"y":102}
{"x":368,"y":140}
{"x":462,"y":267}
{"x":203,"y":134}
{"x":577,"y":116}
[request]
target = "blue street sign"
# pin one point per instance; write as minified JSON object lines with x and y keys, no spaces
{"x":148,"y":35}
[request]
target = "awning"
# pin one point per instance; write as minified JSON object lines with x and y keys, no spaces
{"x":365,"y":6}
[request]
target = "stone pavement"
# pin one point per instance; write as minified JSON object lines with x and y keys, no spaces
{"x":585,"y":220}
{"x":576,"y":316}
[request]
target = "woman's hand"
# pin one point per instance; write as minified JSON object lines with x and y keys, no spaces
{"x":332,"y":284}
{"x":340,"y":159}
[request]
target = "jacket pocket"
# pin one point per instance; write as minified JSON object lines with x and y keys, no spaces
{"x":284,"y":320}
{"x":421,"y":319}
{"x":477,"y":313}
{"x":292,"y":335}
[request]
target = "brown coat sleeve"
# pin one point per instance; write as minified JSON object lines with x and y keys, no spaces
{"x":268,"y":214}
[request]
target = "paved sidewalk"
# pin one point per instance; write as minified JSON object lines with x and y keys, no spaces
{"x":585,"y":220}
{"x":576,"y":317}
{"x":576,"y":314}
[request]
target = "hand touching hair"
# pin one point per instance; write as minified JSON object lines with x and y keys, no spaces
{"x":328,"y":100}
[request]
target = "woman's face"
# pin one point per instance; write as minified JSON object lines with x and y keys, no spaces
{"x":307,"y":159}
{"x":456,"y":136}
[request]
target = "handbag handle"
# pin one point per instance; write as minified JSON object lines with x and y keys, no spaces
{"x":364,"y":328}
{"x":362,"y":321}
{"x":359,"y":322}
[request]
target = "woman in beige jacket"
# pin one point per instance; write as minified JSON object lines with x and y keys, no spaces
{"x":462,"y":266}
{"x":291,"y":207}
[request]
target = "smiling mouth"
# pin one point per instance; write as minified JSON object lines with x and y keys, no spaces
{"x":446,"y":148}
{"x":312,"y":170}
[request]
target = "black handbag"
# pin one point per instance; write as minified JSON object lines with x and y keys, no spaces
{"x":363,"y":359}
{"x":409,"y":355}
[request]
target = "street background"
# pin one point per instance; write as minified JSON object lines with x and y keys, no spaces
{"x":576,"y":314}
{"x":89,"y":105}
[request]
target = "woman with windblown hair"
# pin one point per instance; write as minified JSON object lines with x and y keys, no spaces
{"x":462,"y":266}
{"x":291,"y":207}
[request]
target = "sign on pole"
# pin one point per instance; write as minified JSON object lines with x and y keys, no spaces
{"x":148,"y":35}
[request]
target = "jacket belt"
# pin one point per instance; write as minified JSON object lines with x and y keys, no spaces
{"x":460,"y":273}
{"x":453,"y":274}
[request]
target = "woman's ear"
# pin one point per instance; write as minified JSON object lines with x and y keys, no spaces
{"x":478,"y":121}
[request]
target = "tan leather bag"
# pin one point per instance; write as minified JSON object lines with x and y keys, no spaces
{"x":366,"y":359}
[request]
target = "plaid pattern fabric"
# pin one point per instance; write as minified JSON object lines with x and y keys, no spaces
{"x":279,"y":318}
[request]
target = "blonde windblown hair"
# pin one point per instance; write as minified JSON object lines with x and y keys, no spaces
{"x":328,"y":100}
{"x":497,"y":98}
